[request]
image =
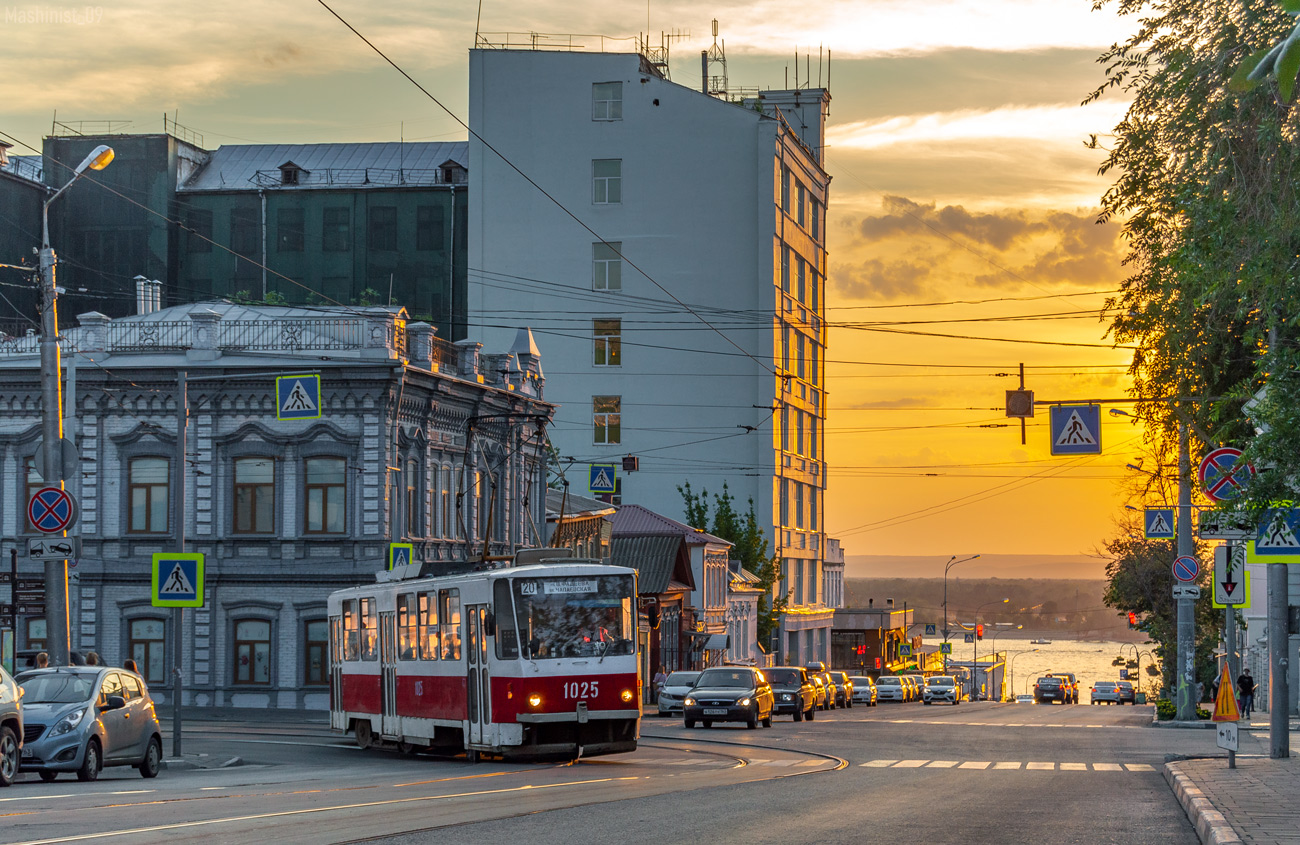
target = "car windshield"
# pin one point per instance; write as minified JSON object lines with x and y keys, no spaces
{"x":784,"y":676}
{"x":942,"y":681}
{"x":859,"y":681}
{"x":727,"y":679}
{"x":57,"y":688}
{"x":888,"y":682}
{"x":681,"y":679}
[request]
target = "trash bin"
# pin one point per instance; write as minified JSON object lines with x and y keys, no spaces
{"x":1140,"y":698}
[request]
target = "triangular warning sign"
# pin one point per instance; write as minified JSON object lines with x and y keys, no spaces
{"x":298,"y":400}
{"x":601,"y":480}
{"x":1278,"y":535}
{"x":1075,"y":432}
{"x":1158,"y":525}
{"x":177,"y":583}
{"x":1225,"y":703}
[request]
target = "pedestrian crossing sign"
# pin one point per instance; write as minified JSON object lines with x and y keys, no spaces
{"x":1076,"y":429}
{"x":970,"y":638}
{"x":602,"y":478}
{"x":177,"y":580}
{"x":945,"y":648}
{"x":1159,"y":523}
{"x":1278,"y":538}
{"x":905,"y":650}
{"x":400,"y":554}
{"x":297,"y":397}
{"x":930,"y":629}
{"x":1225,"y":703}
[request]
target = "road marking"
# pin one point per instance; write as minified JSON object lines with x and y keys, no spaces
{"x":941,"y":764}
{"x":973,"y":765}
{"x":1074,"y":767}
{"x":1006,"y":765}
{"x":1138,"y":767}
{"x":1107,"y":767}
{"x":880,"y":764}
{"x":814,"y":763}
{"x":910,"y":764}
{"x":1042,"y":767}
{"x":39,"y":797}
{"x":208,"y":788}
{"x":981,"y":765}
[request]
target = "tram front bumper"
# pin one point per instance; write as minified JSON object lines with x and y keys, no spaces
{"x":562,"y":734}
{"x":591,"y":716}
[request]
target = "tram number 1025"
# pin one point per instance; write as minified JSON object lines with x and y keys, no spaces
{"x":581,"y":689}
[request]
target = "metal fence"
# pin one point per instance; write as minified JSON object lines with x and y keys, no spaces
{"x":291,"y":335}
{"x":150,"y":335}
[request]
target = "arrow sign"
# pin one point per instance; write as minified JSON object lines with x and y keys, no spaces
{"x":1229,"y":583}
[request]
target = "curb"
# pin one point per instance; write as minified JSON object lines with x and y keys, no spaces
{"x":180,"y":763}
{"x":1211,"y":826}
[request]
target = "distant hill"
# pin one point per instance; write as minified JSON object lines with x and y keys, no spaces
{"x":1067,"y":567}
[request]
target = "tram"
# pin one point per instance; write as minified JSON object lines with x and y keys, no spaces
{"x":535,"y":659}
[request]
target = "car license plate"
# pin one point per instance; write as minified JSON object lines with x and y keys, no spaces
{"x":715,"y":711}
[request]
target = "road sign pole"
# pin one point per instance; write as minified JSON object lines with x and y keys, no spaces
{"x":178,"y":614}
{"x":1279,"y":737}
{"x":56,"y":571}
{"x":1185,"y":669}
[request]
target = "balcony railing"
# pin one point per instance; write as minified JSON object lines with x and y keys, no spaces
{"x":291,"y":335}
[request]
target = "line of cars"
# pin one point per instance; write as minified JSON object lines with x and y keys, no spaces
{"x":77,"y":719}
{"x":754,"y":696}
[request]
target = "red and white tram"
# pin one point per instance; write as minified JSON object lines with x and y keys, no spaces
{"x":524,"y":661}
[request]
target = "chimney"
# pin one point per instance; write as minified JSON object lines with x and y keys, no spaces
{"x":704,"y":71}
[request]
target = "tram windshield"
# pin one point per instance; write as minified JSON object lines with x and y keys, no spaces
{"x":555,"y":617}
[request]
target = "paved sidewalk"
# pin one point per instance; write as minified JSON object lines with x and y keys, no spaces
{"x":1256,"y":803}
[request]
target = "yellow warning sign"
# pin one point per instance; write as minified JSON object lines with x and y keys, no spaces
{"x":1225,"y":703}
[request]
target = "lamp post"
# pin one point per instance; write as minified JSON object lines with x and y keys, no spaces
{"x":995,"y":647}
{"x":52,"y":470}
{"x":952,"y":561}
{"x":1011,"y":666}
{"x":975,"y":659}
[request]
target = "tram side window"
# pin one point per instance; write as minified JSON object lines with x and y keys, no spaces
{"x":451,"y":624}
{"x":408,"y":627}
{"x":507,"y":640}
{"x":350,"y":634}
{"x":369,"y":630}
{"x":429,"y":626}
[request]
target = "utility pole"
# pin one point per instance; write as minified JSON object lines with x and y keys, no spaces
{"x":1185,"y":668}
{"x":178,"y":613}
{"x":1279,"y":689}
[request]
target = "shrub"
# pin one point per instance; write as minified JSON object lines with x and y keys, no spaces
{"x":1165,"y":709}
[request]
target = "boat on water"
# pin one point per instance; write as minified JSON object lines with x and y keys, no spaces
{"x":1040,"y":642}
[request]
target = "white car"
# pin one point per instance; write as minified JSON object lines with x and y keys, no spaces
{"x":891,"y":688}
{"x":1024,"y":699}
{"x":11,"y":727}
{"x":864,"y":690}
{"x":941,"y":688}
{"x":674,"y":690}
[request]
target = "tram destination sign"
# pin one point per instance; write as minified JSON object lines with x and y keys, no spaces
{"x":569,"y":586}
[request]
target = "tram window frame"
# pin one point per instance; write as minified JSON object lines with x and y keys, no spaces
{"x":408,"y":627}
{"x":351,"y":631}
{"x":430,"y":635}
{"x":450,"y":627}
{"x":507,"y":636}
{"x":369,"y":628}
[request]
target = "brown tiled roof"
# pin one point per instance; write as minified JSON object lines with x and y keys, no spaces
{"x":635,"y":520}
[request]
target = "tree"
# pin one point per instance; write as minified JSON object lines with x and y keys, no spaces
{"x":749,"y":546}
{"x":1206,"y":186}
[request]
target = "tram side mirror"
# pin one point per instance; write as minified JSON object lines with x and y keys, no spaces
{"x":652,"y":616}
{"x":490,"y":625}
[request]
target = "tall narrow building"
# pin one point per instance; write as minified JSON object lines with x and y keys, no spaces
{"x":668,"y":247}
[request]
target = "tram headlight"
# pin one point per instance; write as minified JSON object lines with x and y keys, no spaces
{"x":534,"y":700}
{"x":626,"y":695}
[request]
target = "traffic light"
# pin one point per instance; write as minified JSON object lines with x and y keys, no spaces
{"x":1020,"y":403}
{"x":1132,"y":619}
{"x":861,"y":650}
{"x":979,"y":630}
{"x":878,"y":663}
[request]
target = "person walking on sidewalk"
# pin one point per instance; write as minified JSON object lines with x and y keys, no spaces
{"x":661,"y":678}
{"x":1246,"y":690}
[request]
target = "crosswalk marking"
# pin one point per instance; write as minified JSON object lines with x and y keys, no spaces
{"x":1107,"y":767}
{"x":1006,"y":765}
{"x":910,"y":764}
{"x":949,"y":724}
{"x":1041,"y":766}
{"x":941,"y":764}
{"x":1003,"y":765}
{"x":880,"y":764}
{"x":974,"y":765}
{"x":1074,"y":767}
{"x":1138,"y":767}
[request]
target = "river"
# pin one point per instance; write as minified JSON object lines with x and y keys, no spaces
{"x":1088,"y":660}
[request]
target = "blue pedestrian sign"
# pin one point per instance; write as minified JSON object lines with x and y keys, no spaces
{"x":602,"y":478}
{"x":400,"y":554}
{"x":1277,"y":539}
{"x":297,"y":397}
{"x":1076,"y":429}
{"x":177,"y":580}
{"x":970,"y":638}
{"x":945,"y":648}
{"x":904,"y":649}
{"x":1159,"y":523}
{"x":931,"y":629}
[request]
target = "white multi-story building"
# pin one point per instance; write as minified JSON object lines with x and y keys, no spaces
{"x":671,"y":252}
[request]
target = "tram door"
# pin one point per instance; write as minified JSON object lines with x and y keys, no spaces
{"x":388,"y":674}
{"x":480,"y":706}
{"x":337,"y":718}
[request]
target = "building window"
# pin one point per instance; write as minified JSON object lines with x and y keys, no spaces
{"x":198,"y":238}
{"x":289,"y":229}
{"x":36,"y":636}
{"x":245,"y":241}
{"x":148,"y":492}
{"x":785,"y":190}
{"x":785,"y":268}
{"x":798,"y":436}
{"x":801,"y":344}
{"x":254,"y":496}
{"x":608,"y":422}
{"x":802,"y":213}
{"x":316,"y":653}
{"x":785,"y":428}
{"x":785,"y":504}
{"x":607,"y":181}
{"x":608,"y":338}
{"x":785,"y":348}
{"x":252,"y":651}
{"x":816,"y":219}
{"x":607,"y":101}
{"x":336,"y":233}
{"x":146,"y":643}
{"x":812,"y":508}
{"x":446,"y":502}
{"x":326,"y":487}
{"x":413,"y":499}
{"x":383,"y":227}
{"x":798,"y":504}
{"x":803,"y":278}
{"x":607,"y":266}
{"x":430,"y":228}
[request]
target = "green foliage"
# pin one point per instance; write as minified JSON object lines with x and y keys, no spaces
{"x":1202,"y":714}
{"x":273,"y":297}
{"x":1165,"y":710}
{"x":749,"y":547}
{"x":1207,"y":184}
{"x":369,"y":296}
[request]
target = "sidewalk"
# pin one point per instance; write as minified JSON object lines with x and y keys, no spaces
{"x":1256,"y":803}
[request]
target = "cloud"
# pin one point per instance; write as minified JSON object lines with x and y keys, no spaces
{"x":1058,"y":123}
{"x":877,"y":279}
{"x":905,"y":216}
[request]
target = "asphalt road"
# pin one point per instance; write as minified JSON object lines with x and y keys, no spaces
{"x":974,"y":773}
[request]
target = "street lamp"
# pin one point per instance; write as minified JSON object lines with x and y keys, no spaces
{"x":1011,"y":666}
{"x":56,"y":571}
{"x":952,"y":561}
{"x":975,"y":659}
{"x":995,"y":647}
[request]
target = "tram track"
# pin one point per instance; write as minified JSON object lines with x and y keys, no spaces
{"x":840,"y":762}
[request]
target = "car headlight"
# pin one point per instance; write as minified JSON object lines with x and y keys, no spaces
{"x":68,"y":722}
{"x":744,"y":702}
{"x":787,"y":697}
{"x":689,"y":702}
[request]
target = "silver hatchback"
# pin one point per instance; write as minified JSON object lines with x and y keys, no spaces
{"x":11,"y":727}
{"x":83,"y":718}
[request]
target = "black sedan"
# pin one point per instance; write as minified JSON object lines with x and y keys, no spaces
{"x":729,"y":694}
{"x":792,"y":692}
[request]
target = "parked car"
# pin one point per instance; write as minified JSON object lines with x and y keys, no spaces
{"x":819,"y":690}
{"x":818,"y":671}
{"x":941,"y":688}
{"x":729,"y":694}
{"x":83,"y":718}
{"x":844,"y":686}
{"x":1051,"y":688}
{"x":792,"y":692}
{"x":1071,"y":685}
{"x":674,"y":690}
{"x":891,"y":688}
{"x":11,"y":727}
{"x":1127,"y":695}
{"x":1105,"y":691}
{"x":916,"y":683}
{"x":864,"y":690}
{"x":1024,"y":699}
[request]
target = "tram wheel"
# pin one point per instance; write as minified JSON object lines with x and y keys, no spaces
{"x":408,"y":747}
{"x":471,"y":755}
{"x":365,"y":736}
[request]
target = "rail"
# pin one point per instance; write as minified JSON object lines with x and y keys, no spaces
{"x":359,"y":176}
{"x":547,"y":41}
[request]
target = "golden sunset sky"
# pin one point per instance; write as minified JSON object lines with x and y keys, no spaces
{"x":956,"y":145}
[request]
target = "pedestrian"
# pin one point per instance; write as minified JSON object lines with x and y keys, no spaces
{"x":92,"y":659}
{"x":129,"y":665}
{"x":661,"y":678}
{"x":1246,"y":689}
{"x":42,"y":661}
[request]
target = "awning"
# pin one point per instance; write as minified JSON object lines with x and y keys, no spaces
{"x":717,"y":642}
